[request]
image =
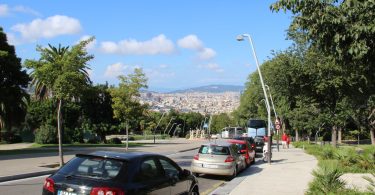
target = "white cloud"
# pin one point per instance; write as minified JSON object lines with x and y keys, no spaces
{"x":26,"y":10}
{"x":50,"y":27}
{"x":163,"y":66}
{"x":190,"y":42}
{"x":90,"y":45}
{"x":157,"y":45}
{"x":206,"y":54}
{"x":212,"y":66}
{"x":4,"y":10}
{"x":115,"y":70}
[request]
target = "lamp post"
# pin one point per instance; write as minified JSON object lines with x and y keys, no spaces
{"x":158,"y":125}
{"x":273,"y":105}
{"x":241,"y":38}
{"x":168,"y":125}
{"x":174,"y":132}
{"x":274,"y":111}
{"x":171,"y":128}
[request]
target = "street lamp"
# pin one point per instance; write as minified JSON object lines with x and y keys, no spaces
{"x":171,"y":128}
{"x":158,"y":125}
{"x":274,"y":111}
{"x":168,"y":124}
{"x":174,"y":132}
{"x":241,"y":38}
{"x":273,"y":105}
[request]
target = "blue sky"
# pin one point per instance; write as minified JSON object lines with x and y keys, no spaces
{"x":179,"y":44}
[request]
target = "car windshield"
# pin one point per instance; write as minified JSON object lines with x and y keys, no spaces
{"x":215,"y":150}
{"x":93,"y":167}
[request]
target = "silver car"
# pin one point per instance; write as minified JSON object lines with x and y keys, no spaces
{"x":218,"y":159}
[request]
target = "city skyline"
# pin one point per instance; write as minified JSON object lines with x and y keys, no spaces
{"x":177,"y":44}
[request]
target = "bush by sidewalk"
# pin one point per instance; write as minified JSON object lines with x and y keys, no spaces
{"x":333,"y":162}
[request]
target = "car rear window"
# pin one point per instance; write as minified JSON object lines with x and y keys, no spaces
{"x":216,"y":150}
{"x":93,"y":167}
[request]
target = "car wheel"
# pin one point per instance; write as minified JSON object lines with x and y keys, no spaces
{"x":234,"y":173}
{"x":195,"y":191}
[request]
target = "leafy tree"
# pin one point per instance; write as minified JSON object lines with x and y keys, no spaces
{"x":97,"y":108}
{"x":13,"y":82}
{"x":60,"y":73}
{"x":220,"y":121}
{"x":343,"y":30}
{"x":126,"y":106}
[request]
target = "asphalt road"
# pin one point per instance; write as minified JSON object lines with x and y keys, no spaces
{"x":33,"y":186}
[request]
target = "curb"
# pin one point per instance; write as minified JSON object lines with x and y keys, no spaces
{"x":26,"y":175}
{"x":189,"y":149}
{"x":40,"y":173}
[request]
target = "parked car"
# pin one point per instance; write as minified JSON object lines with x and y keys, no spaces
{"x":218,"y":159}
{"x":259,"y":143}
{"x":245,"y":149}
{"x":115,"y":173}
{"x":250,"y":140}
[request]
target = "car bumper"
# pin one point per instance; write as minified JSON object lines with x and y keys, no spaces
{"x":212,"y":169}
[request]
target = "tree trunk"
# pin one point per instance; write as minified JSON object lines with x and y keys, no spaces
{"x":334,"y":136}
{"x":297,"y":138}
{"x":339,"y":135}
{"x":372,"y":136}
{"x":59,"y":134}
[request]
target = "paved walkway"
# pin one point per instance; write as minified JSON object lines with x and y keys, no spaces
{"x":289,"y":173}
{"x":27,"y":165}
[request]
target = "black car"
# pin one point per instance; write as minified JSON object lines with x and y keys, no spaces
{"x":115,"y":173}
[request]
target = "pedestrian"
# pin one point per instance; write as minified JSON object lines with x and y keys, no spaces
{"x":287,"y":140}
{"x":284,"y":140}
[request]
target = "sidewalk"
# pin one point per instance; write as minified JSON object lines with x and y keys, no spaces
{"x":30,"y":165}
{"x":289,"y":173}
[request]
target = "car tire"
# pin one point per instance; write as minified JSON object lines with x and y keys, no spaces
{"x":194,"y":191}
{"x":234,"y":174}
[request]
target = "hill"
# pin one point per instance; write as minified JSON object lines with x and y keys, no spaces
{"x":212,"y":89}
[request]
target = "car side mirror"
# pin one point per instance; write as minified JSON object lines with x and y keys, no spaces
{"x":185,"y":173}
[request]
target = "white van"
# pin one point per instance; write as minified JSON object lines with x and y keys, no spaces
{"x":231,"y":132}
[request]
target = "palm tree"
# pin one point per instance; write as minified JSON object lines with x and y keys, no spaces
{"x":60,"y":73}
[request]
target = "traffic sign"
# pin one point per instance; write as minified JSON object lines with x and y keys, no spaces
{"x":277,"y":122}
{"x":278,"y":127}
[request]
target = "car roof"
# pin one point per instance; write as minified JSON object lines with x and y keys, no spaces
{"x":235,"y":141}
{"x":219,"y":143}
{"x":127,"y":156}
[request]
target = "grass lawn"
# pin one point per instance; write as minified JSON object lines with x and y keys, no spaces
{"x":48,"y":148}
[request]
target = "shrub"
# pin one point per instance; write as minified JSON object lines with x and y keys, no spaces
{"x":46,"y":134}
{"x":187,"y":136}
{"x":326,"y":181}
{"x":115,"y":140}
{"x":93,"y":140}
{"x":328,"y":153}
{"x":10,"y":137}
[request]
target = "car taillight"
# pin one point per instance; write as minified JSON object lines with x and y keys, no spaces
{"x":49,"y":185}
{"x":196,"y":157}
{"x":106,"y":191}
{"x":229,"y":159}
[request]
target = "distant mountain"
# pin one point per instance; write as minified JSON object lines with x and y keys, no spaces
{"x":212,"y":89}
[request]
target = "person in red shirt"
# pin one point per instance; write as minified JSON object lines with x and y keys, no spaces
{"x":284,"y":138}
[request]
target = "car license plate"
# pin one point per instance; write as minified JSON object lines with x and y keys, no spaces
{"x":210,"y":166}
{"x":60,"y":192}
